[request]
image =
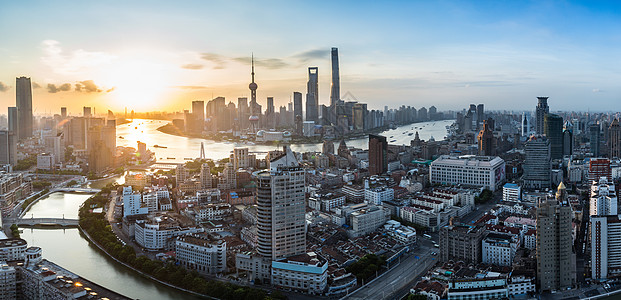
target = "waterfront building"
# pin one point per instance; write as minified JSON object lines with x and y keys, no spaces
{"x":468,"y":170}
{"x":201,"y":252}
{"x":13,"y":188}
{"x":12,"y":249}
{"x":556,"y":263}
{"x":157,"y":233}
{"x":537,"y":165}
{"x":8,"y":282}
{"x":132,"y":203}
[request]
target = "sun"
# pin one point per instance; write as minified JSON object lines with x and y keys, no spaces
{"x":138,"y":84}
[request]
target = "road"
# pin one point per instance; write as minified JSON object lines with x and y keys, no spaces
{"x":401,"y":277}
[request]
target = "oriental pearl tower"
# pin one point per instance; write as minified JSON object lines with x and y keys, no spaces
{"x":254,"y":118}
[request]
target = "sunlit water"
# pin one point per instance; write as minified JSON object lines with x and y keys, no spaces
{"x":179,"y":148}
{"x":68,"y":248}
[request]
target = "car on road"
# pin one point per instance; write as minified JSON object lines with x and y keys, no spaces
{"x":434,"y":253}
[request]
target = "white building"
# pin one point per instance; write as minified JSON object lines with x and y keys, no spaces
{"x":306,"y":273}
{"x":520,"y":285}
{"x":157,"y":234}
{"x":605,"y":247}
{"x":403,"y":234}
{"x":530,"y":239}
{"x":377,"y":195}
{"x":46,"y":161}
{"x":468,"y":170}
{"x":12,"y":249}
{"x":153,"y":195}
{"x":367,"y":220}
{"x":8,"y":282}
{"x":484,"y":288}
{"x":423,"y":216}
{"x":498,"y":249}
{"x":603,"y":198}
{"x":132,"y":203}
{"x":511,"y":192}
{"x":201,"y":252}
{"x":436,"y":205}
{"x":209,"y":212}
{"x":327,"y":202}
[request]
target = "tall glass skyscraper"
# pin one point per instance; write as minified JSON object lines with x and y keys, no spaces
{"x":23,"y":92}
{"x":335,"y":88}
{"x":553,"y":130}
{"x":312,"y":95}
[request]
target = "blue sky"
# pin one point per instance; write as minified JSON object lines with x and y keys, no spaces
{"x":153,"y":55}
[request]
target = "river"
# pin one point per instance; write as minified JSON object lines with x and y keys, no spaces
{"x":71,"y":250}
{"x":179,"y":147}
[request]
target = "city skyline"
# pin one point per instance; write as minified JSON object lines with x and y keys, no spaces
{"x":418,"y":54}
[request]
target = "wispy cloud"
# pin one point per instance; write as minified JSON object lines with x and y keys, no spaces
{"x":192,"y":66}
{"x":53,"y":88}
{"x":312,"y":55}
{"x":4,"y":87}
{"x":87,"y":86}
{"x":269,"y":63}
{"x":36,"y":85}
{"x":191,"y":87}
{"x":75,"y":61}
{"x":217,"y":60}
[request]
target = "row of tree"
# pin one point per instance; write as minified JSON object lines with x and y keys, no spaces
{"x":99,"y":229}
{"x":367,"y":266}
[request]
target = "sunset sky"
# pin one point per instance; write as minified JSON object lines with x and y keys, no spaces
{"x":161,"y":55}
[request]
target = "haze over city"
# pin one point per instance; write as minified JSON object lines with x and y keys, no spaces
{"x":161,"y":55}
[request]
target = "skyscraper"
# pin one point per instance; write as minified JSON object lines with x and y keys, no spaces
{"x":63,"y":112}
{"x":537,"y":165}
{"x":553,"y":130}
{"x":242,"y":112}
{"x":87,"y":112}
{"x":594,"y":139}
{"x":23,"y":94}
{"x":556,"y":263}
{"x":614,"y":140}
{"x":481,"y":114}
{"x":568,"y":139}
{"x":487,"y":141}
{"x":198,"y":112}
{"x":281,"y":230}
{"x":312,"y":95}
{"x":297,"y":104}
{"x":335,"y":88}
{"x":378,"y":154}
{"x":13,"y":120}
{"x":541,"y":111}
{"x":8,"y":148}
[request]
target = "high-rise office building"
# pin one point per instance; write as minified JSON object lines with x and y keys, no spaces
{"x":568,"y":139}
{"x":8,"y":148}
{"x":63,"y":112}
{"x":23,"y":93}
{"x":13,"y":120}
{"x":487,"y":141}
{"x":553,"y":130}
{"x":556,"y":263}
{"x":605,"y":246}
{"x":297,"y":104}
{"x":537,"y":165}
{"x":481,"y":114}
{"x":599,"y":167}
{"x":198,"y":112}
{"x":541,"y":111}
{"x":335,"y":88}
{"x":86,"y":112}
{"x":422,"y":114}
{"x":594,"y":139}
{"x":359,"y":115}
{"x":526,"y":126}
{"x":312,"y":95}
{"x":614,"y":140}
{"x":205,"y":176}
{"x":242,"y":112}
{"x":378,"y":155}
{"x":281,"y":228}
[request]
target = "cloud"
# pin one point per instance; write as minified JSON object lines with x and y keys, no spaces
{"x":596,"y":90}
{"x":52,"y":88}
{"x":270,"y":63}
{"x":312,"y":54}
{"x":192,"y":66}
{"x":35,"y":85}
{"x":218,"y":60}
{"x":191,"y":87}
{"x":87,"y":86}
{"x":4,"y":87}
{"x":110,"y":90}
{"x":73,"y":62}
